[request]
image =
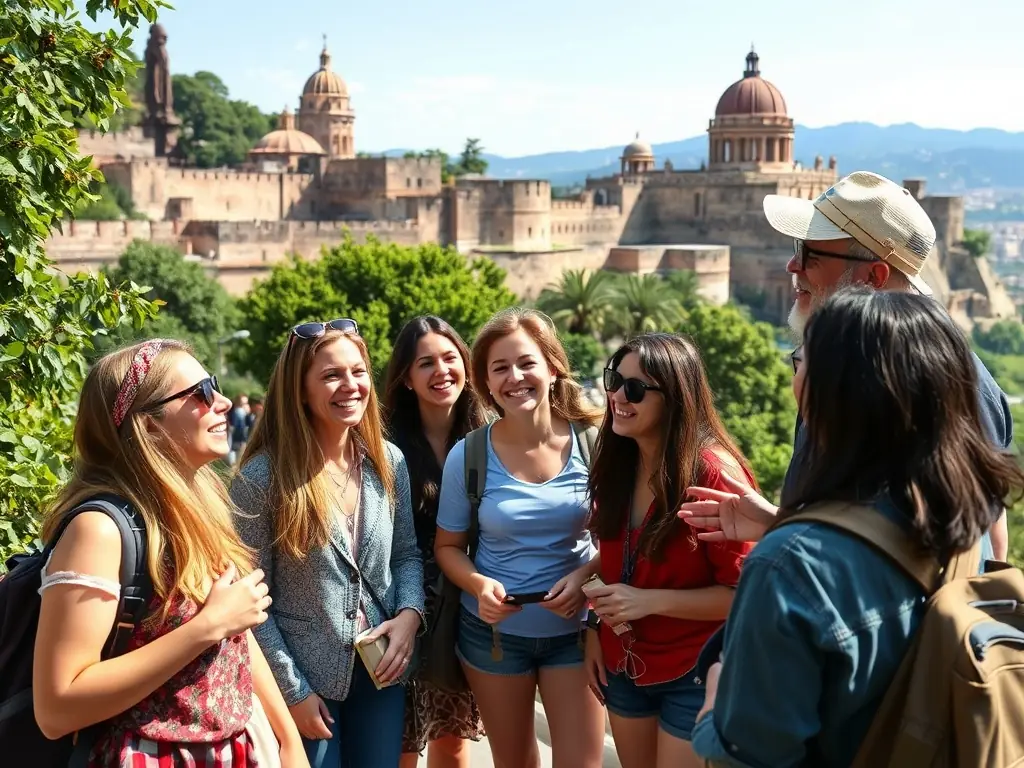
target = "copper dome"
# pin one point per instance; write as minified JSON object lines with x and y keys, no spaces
{"x":287,"y":140}
{"x":325,"y":82}
{"x":753,"y":95}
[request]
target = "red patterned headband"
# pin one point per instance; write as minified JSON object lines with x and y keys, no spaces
{"x":140,"y":366}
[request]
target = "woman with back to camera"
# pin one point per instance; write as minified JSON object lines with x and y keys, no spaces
{"x":533,"y":539}
{"x":325,"y":502}
{"x":661,"y":434}
{"x":821,"y":621}
{"x":150,"y":421}
{"x":430,"y":407}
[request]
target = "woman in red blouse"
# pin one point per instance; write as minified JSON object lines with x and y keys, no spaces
{"x":664,"y":592}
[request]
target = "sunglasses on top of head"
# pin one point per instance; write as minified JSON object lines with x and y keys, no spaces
{"x":634,"y":389}
{"x":207,"y":390}
{"x":315,"y":330}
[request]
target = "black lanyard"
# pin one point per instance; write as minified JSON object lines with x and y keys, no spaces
{"x":629,"y":555}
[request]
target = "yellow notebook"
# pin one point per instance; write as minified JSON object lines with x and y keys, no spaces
{"x":371,"y":652}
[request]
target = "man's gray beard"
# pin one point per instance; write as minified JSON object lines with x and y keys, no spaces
{"x":798,"y":318}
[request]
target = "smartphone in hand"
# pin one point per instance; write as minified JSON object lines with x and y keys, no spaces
{"x":525,"y":598}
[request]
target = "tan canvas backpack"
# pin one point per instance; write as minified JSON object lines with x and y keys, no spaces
{"x":957,"y":700}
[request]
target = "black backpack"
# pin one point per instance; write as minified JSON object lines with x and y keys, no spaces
{"x":21,"y":741}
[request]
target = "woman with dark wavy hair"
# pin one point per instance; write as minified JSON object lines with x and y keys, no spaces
{"x":429,"y":406}
{"x":887,"y":389}
{"x":666,"y":592}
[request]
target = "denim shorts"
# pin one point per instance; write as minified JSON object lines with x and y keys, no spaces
{"x":519,"y":655}
{"x":675,"y":703}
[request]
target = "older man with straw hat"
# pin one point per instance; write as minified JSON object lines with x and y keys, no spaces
{"x":864,"y":230}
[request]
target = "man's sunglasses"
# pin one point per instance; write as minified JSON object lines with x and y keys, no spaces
{"x":634,"y":389}
{"x":207,"y":389}
{"x":317,"y":329}
{"x":801,"y":252}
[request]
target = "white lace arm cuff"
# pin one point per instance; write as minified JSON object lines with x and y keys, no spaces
{"x":107,"y":586}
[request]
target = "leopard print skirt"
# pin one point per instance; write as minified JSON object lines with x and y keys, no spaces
{"x":431,"y":713}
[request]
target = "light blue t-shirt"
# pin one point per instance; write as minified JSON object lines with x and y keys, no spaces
{"x":531,"y":534}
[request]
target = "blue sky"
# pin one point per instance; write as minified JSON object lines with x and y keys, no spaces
{"x":531,"y":76}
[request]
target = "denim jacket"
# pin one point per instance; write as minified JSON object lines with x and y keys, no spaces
{"x":818,"y":627}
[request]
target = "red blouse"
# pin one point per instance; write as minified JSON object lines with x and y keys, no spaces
{"x":665,"y":648}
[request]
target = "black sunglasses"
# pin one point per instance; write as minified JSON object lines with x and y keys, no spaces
{"x":634,"y":389}
{"x":801,"y":252}
{"x":796,"y":358}
{"x":207,"y":389}
{"x":317,"y":329}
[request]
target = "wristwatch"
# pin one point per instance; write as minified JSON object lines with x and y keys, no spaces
{"x":593,"y":621}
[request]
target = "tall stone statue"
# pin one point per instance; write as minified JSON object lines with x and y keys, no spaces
{"x":160,"y":124}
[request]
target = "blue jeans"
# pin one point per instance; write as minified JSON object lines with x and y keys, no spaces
{"x":367,"y":727}
{"x":519,"y":655}
{"x":675,"y":703}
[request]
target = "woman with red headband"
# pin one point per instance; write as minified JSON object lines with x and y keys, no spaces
{"x":150,"y":422}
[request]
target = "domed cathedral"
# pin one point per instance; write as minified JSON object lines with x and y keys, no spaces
{"x":751,"y":128}
{"x":325,"y":112}
{"x":287,"y":147}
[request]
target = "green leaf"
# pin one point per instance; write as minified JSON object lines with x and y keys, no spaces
{"x":20,"y":481}
{"x":31,"y":443}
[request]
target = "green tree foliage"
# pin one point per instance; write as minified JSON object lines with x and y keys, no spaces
{"x":216,"y":130}
{"x":977,"y":242}
{"x":751,"y":384}
{"x":130,"y":115}
{"x":196,"y":308}
{"x":580,"y":301}
{"x":380,"y":286}
{"x":1005,"y":337}
{"x":52,"y":69}
{"x":585,"y":353}
{"x":112,"y":203}
{"x":643,"y":303}
{"x":471,"y":160}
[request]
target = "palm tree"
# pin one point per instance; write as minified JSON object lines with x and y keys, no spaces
{"x":645,"y":303}
{"x":580,"y":301}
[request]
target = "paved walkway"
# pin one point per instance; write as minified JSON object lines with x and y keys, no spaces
{"x":481,"y":751}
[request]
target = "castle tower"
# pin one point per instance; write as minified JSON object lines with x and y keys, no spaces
{"x":751,"y":128}
{"x":325,"y":112}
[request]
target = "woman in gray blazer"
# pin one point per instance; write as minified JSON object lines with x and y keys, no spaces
{"x":325,"y":502}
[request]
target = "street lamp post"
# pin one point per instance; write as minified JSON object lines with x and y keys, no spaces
{"x":242,"y":334}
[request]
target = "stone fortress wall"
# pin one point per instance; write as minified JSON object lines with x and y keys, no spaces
{"x":645,"y":219}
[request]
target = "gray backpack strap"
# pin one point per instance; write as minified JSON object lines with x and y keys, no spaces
{"x":475,"y":477}
{"x":586,"y":434}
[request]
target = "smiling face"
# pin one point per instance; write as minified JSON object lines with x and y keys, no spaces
{"x":336,"y":388}
{"x":824,"y":270}
{"x":438,"y":373}
{"x":199,"y":431}
{"x":636,"y":420}
{"x":518,"y":377}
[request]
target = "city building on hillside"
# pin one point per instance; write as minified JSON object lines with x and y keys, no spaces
{"x":304,"y":186}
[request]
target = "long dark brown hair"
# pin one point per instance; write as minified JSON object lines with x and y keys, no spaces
{"x":402,"y":411}
{"x":690,"y":427}
{"x":890,"y":404}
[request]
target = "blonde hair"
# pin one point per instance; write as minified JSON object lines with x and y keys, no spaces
{"x":566,"y":394}
{"x":189,"y":528}
{"x":299,"y":489}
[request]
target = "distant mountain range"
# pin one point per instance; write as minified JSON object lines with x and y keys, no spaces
{"x":952,"y":161}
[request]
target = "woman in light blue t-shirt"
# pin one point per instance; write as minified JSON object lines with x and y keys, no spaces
{"x":533,"y":541}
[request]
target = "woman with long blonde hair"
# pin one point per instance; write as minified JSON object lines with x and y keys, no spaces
{"x":326,"y":504}
{"x":150,"y":422}
{"x":522,"y":602}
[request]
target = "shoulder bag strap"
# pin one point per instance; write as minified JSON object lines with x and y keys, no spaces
{"x":586,"y":435}
{"x":475,"y":467}
{"x":885,"y":535}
